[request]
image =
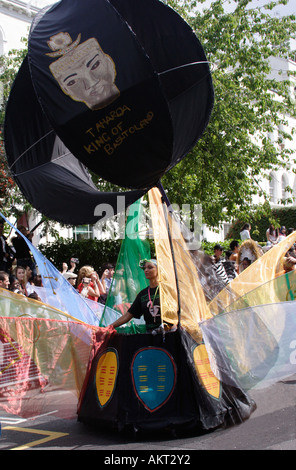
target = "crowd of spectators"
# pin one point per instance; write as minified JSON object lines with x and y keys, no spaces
{"x":88,"y":282}
{"x":228,"y":264}
{"x":18,"y":272}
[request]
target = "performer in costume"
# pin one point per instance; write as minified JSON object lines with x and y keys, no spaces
{"x":147,"y":302}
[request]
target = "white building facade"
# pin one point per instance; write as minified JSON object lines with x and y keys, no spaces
{"x":280,"y":180}
{"x":15,"y":20}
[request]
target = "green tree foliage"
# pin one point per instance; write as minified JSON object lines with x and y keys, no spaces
{"x":9,"y":65}
{"x":224,"y":170}
{"x":9,"y":193}
{"x":6,"y":182}
{"x":102,"y":251}
{"x":281,"y":216}
{"x":89,"y":252}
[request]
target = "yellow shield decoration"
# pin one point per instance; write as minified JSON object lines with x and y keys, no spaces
{"x":205,"y":374}
{"x":106,"y":375}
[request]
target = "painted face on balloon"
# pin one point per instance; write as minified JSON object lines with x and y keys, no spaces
{"x":87,"y":75}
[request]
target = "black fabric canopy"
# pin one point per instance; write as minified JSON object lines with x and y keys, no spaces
{"x":119,"y":87}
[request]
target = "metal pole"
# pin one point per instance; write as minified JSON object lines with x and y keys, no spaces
{"x":166,"y":201}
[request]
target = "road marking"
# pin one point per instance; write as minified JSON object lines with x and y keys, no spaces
{"x":7,"y":420}
{"x":41,"y":416}
{"x":49,"y":436}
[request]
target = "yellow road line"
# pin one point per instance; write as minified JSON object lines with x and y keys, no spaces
{"x":50,"y":436}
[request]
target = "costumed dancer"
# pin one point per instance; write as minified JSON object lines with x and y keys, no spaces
{"x":147,"y":302}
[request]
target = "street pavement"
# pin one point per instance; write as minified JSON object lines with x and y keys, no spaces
{"x":271,"y":427}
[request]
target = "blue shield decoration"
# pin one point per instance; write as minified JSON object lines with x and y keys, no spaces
{"x":154,"y":377}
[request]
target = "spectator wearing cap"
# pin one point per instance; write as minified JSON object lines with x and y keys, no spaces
{"x":71,"y":277}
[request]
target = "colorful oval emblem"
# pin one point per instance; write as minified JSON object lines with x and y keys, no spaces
{"x":154,"y":377}
{"x":106,"y":375}
{"x":204,"y":371}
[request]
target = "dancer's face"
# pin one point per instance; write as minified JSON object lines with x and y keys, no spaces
{"x":150,"y":271}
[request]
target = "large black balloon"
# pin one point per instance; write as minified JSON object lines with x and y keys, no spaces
{"x":121,"y":87}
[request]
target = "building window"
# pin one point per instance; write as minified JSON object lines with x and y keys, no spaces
{"x":83,"y":232}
